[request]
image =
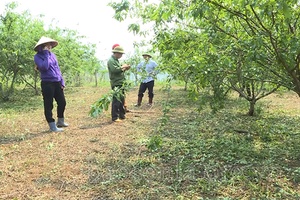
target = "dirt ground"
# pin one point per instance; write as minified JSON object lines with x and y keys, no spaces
{"x":38,"y":164}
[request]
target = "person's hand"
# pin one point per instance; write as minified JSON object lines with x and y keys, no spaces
{"x":125,"y":67}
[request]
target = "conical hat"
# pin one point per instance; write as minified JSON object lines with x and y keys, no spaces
{"x":44,"y":40}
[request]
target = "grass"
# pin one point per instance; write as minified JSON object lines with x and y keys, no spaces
{"x":169,"y":151}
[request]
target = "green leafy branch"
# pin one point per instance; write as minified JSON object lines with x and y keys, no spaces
{"x":102,"y":104}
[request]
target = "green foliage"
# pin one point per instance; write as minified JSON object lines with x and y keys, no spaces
{"x":155,"y":142}
{"x":16,"y":50}
{"x":16,"y":55}
{"x":240,"y":44}
{"x":102,"y":104}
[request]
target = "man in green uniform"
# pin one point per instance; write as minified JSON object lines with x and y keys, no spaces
{"x":117,"y":79}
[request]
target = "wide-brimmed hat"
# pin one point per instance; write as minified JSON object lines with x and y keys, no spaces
{"x":45,"y":40}
{"x":118,"y":49}
{"x":147,"y":54}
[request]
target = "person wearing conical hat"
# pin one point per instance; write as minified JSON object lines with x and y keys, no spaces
{"x":117,"y":79}
{"x":52,"y":82}
{"x":147,"y":70}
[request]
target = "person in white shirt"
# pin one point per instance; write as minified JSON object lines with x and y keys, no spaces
{"x":147,"y":70}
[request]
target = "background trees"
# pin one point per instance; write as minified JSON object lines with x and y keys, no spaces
{"x":213,"y":46}
{"x":18,"y":35}
{"x":249,"y":47}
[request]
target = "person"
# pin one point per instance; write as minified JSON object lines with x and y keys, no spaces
{"x":52,"y":82}
{"x":117,"y":79}
{"x":125,"y":105}
{"x":148,"y":71}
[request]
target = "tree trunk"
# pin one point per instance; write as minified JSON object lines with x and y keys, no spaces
{"x":96,"y":79}
{"x":252,"y":107}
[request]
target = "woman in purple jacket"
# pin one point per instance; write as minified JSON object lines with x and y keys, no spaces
{"x":52,"y":82}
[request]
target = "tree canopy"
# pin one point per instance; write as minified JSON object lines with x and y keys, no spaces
{"x":19,"y":32}
{"x":247,"y":46}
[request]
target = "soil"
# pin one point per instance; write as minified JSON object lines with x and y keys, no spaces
{"x":38,"y":164}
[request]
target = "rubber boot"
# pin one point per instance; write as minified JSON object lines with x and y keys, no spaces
{"x":54,"y":128}
{"x":150,"y":101}
{"x":61,"y":123}
{"x":139,"y":102}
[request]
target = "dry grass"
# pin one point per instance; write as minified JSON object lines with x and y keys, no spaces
{"x":38,"y":164}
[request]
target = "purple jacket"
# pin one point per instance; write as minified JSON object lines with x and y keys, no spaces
{"x":47,"y":65}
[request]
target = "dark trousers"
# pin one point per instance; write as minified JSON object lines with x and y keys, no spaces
{"x":144,"y":86}
{"x":117,"y":107}
{"x":50,"y":91}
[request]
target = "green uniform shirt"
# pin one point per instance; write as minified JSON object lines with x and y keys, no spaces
{"x":116,"y":75}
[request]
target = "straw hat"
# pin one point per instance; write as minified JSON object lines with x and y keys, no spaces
{"x":147,"y":54}
{"x":45,"y":40}
{"x":118,"y":49}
